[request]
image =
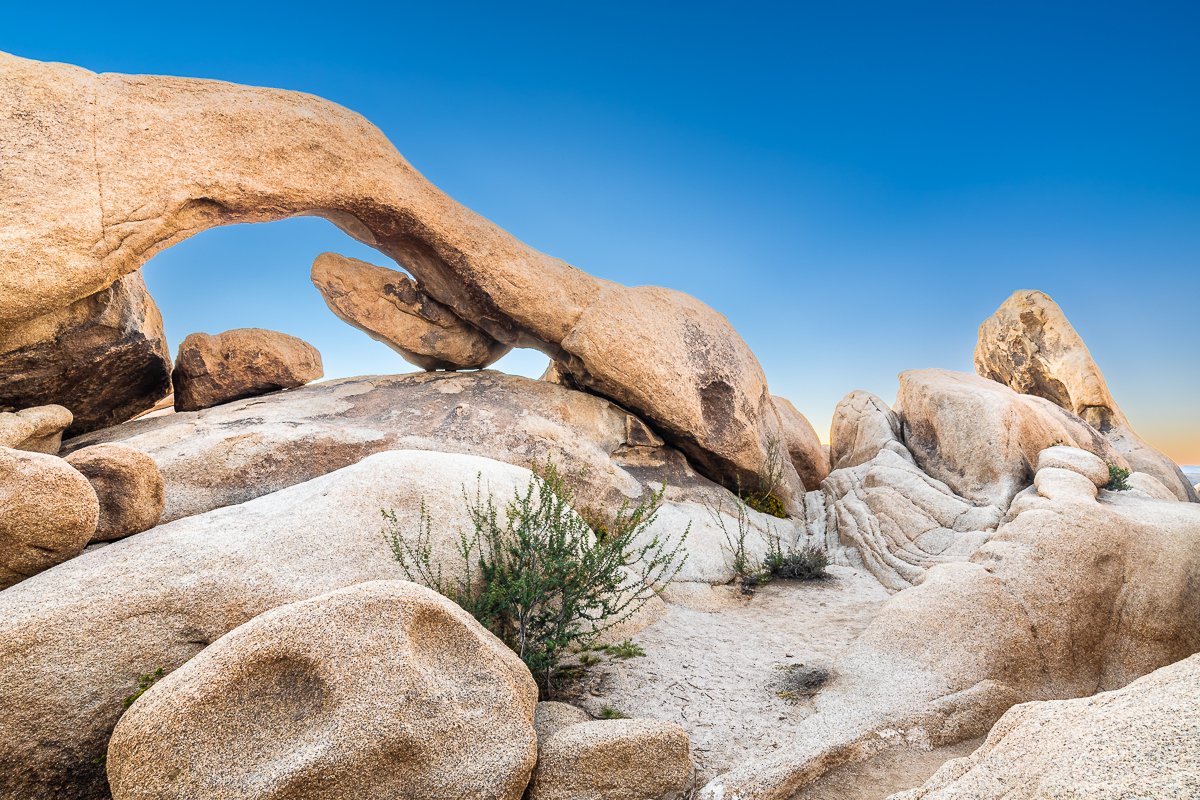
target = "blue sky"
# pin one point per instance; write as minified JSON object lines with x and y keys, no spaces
{"x":855,"y":185}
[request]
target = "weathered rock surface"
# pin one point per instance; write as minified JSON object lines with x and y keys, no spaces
{"x":104,"y":357}
{"x":550,"y":717}
{"x":619,"y":759}
{"x":87,"y":200}
{"x":1073,"y":593}
{"x":38,"y":429}
{"x":157,"y":599}
{"x":388,"y":306}
{"x":48,"y":512}
{"x":1139,"y":741}
{"x":231,"y":453}
{"x":862,"y":426}
{"x":244,"y":362}
{"x":981,"y":438}
{"x":1029,"y":345}
{"x":376,"y":691}
{"x":880,"y":512}
{"x":128,"y":485}
{"x":804,"y":448}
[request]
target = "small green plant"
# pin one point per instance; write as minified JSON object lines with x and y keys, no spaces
{"x":1118,"y":478}
{"x":625,"y":650}
{"x":539,"y":576}
{"x":764,"y":497}
{"x":765,"y":504}
{"x":144,"y":683}
{"x":806,"y":564}
{"x":608,"y":712}
{"x":587,"y":659}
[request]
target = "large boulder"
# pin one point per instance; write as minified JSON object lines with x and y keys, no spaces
{"x":232,"y":453}
{"x":85,"y":200}
{"x":128,"y":485}
{"x":1029,"y":345}
{"x":38,"y":429}
{"x":104,"y":356}
{"x":48,"y":513}
{"x":1080,"y":590}
{"x":981,"y":438}
{"x":804,"y":448}
{"x":244,"y":362}
{"x":619,"y":759}
{"x":1139,"y":741}
{"x":389,"y":307}
{"x":157,"y":599}
{"x":376,"y":691}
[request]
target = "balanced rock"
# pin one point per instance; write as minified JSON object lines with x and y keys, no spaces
{"x":389,"y":307}
{"x":618,"y":759}
{"x":376,"y":691}
{"x":244,"y":362}
{"x":804,"y":448}
{"x":80,"y":148}
{"x":48,"y":512}
{"x":38,"y":429}
{"x":1029,"y":345}
{"x":127,"y":483}
{"x":104,"y":357}
{"x":1139,"y":741}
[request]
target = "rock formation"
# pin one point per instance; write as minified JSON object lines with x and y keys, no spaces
{"x":804,"y":448}
{"x":103,"y":356}
{"x":1139,"y":741}
{"x":982,"y":439}
{"x":128,"y":485}
{"x":159,"y":598}
{"x":48,"y":512}
{"x":244,"y":154}
{"x":376,"y":691}
{"x":38,"y":429}
{"x":245,"y":362}
{"x":232,"y":453}
{"x":1080,"y":589}
{"x":389,"y":307}
{"x":1029,"y":345}
{"x":618,"y":759}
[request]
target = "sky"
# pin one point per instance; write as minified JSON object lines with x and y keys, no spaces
{"x":856,"y":186}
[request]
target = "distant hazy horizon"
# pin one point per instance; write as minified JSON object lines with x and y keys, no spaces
{"x":856,"y":187}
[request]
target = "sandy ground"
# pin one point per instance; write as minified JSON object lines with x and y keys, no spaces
{"x":721,"y":674}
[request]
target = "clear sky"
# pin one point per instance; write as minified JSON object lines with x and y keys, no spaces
{"x":855,"y":185}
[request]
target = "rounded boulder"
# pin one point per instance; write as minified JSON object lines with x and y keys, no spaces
{"x":128,"y":485}
{"x":48,"y":513}
{"x":377,"y":691}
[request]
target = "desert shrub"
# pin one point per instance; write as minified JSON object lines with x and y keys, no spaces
{"x":542,"y":579}
{"x":806,"y":564}
{"x":608,"y":712}
{"x":1117,"y":478}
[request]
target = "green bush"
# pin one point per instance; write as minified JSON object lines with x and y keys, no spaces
{"x":806,"y":564}
{"x":542,"y":580}
{"x":1117,"y":478}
